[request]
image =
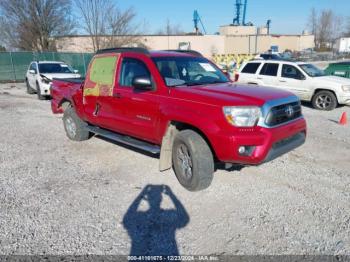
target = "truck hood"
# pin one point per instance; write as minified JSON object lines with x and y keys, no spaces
{"x":337,"y":80}
{"x":227,"y":94}
{"x":51,"y":76}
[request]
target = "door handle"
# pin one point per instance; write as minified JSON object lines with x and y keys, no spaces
{"x":283,"y":81}
{"x":117,"y":95}
{"x":259,"y":78}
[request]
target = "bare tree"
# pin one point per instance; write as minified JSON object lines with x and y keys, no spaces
{"x":107,"y":24}
{"x":347,"y":29}
{"x":325,"y":28}
{"x":170,"y":29}
{"x":32,"y":24}
{"x":337,"y":28}
{"x":313,"y":23}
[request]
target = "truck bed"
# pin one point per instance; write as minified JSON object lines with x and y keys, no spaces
{"x":62,"y":89}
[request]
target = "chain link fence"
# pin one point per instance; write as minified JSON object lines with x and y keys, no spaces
{"x":14,"y":65}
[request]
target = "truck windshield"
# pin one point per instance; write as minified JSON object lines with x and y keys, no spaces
{"x":189,"y":71}
{"x":312,"y":70}
{"x":55,"y":68}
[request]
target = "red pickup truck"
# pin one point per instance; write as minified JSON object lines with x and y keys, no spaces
{"x":181,"y":106}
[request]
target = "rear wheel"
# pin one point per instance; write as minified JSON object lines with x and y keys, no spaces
{"x":38,"y":92}
{"x":192,"y":161}
{"x":29,"y":89}
{"x":76,"y":129}
{"x":324,"y":100}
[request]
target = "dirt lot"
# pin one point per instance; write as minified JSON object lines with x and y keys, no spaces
{"x":62,"y":197}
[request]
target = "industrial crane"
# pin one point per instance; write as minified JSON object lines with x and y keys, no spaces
{"x":197,"y":20}
{"x":239,"y":13}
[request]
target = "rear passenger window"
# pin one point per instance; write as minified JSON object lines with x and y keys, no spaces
{"x":269,"y":69}
{"x":251,"y":68}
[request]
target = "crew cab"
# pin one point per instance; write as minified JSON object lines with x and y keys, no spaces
{"x":40,"y":74}
{"x":181,"y":106}
{"x":305,"y":80}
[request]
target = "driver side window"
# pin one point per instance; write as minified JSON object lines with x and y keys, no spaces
{"x":289,"y":71}
{"x":33,"y":67}
{"x":130,"y":69}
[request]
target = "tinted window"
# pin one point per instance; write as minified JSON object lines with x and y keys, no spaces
{"x":290,"y":71}
{"x":55,"y":68}
{"x":251,"y":68}
{"x":33,"y":67}
{"x":132,"y":68}
{"x":269,"y":69}
{"x":188,"y":71}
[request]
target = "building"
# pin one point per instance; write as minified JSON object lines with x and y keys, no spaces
{"x":231,"y":40}
{"x":342,"y":45}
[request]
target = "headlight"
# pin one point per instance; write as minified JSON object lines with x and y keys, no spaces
{"x":45,"y":80}
{"x":346,"y":88}
{"x":244,"y":116}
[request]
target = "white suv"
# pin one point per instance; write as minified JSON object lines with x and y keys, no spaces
{"x":305,"y":80}
{"x":40,"y":74}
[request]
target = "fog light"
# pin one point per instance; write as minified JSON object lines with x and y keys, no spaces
{"x":241,"y":150}
{"x":246,"y":150}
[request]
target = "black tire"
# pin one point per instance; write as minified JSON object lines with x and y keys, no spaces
{"x":29,"y":89}
{"x":40,"y":96}
{"x":75,"y":127}
{"x":324,"y":100}
{"x":199,"y":158}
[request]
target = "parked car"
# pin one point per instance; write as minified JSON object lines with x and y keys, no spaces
{"x":303,"y":79}
{"x":40,"y":74}
{"x":341,"y":69}
{"x":181,"y":106}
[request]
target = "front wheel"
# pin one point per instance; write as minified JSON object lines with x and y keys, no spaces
{"x":29,"y":89}
{"x":192,"y":161}
{"x":38,"y":92}
{"x":76,"y":129}
{"x":324,"y":100}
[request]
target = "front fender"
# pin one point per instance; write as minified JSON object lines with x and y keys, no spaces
{"x":208,"y":119}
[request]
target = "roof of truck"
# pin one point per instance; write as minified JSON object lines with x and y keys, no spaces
{"x":170,"y":53}
{"x":160,"y":53}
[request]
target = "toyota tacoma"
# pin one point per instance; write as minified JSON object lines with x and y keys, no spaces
{"x":180,"y":106}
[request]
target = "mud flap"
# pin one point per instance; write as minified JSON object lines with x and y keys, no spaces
{"x":165,"y":160}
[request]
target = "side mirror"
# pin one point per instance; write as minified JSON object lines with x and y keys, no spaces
{"x":302,"y":77}
{"x":31,"y":71}
{"x":142,"y":83}
{"x":76,"y":71}
{"x":227,"y":74}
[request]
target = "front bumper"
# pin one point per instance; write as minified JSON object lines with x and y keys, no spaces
{"x":344,"y":100}
{"x":267,"y":143}
{"x":285,"y":146}
{"x":45,"y":89}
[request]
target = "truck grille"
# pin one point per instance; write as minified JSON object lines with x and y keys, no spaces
{"x":283,"y":113}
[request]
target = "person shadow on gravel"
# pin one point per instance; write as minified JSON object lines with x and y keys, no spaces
{"x":152,"y":231}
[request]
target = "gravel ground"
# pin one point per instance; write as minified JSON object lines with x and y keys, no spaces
{"x":64,"y":197}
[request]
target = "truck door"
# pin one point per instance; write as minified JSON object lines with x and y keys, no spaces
{"x":293,"y":80}
{"x":131,"y":111}
{"x":268,"y":74}
{"x":99,"y":82}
